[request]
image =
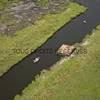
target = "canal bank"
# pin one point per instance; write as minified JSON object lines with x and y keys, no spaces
{"x":21,"y":74}
{"x":72,"y":77}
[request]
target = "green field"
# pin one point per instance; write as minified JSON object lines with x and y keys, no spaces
{"x":5,"y":3}
{"x":32,"y":37}
{"x":75,"y":79}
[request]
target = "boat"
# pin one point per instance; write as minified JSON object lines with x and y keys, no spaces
{"x":66,"y":50}
{"x":84,"y":21}
{"x":36,"y":60}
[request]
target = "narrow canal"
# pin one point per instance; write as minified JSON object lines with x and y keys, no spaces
{"x":21,"y":74}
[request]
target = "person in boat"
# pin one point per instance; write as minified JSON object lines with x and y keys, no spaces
{"x":36,"y":59}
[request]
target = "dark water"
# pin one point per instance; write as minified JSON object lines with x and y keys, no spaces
{"x":21,"y":74}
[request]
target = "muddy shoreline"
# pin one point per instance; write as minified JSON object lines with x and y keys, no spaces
{"x":25,"y":13}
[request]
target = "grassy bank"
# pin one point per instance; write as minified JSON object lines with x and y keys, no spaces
{"x":4,"y":3}
{"x":32,"y":37}
{"x":75,"y":79}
